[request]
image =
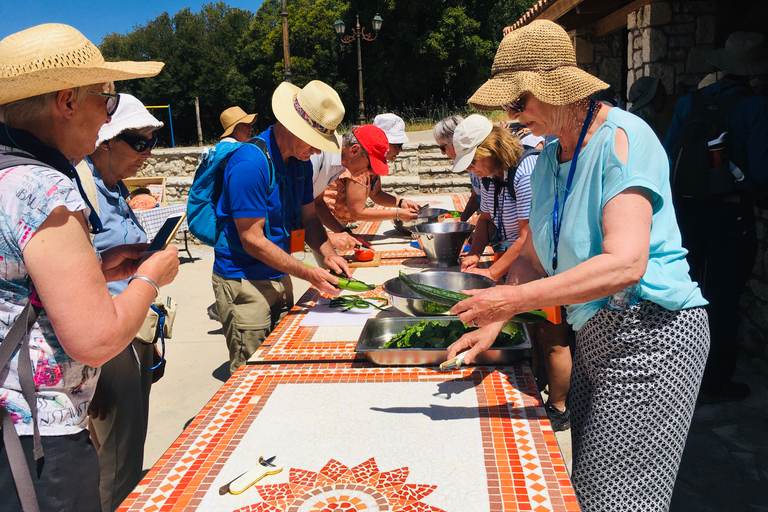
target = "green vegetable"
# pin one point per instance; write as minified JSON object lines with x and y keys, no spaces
{"x":449,"y":298}
{"x":433,"y":308}
{"x":353,"y":285}
{"x":348,"y":302}
{"x":438,"y":295}
{"x":437,"y":334}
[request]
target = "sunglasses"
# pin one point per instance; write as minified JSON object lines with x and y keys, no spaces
{"x":138,"y":144}
{"x":517,"y":105}
{"x":113,"y":99}
{"x":442,"y":148}
{"x":398,"y":147}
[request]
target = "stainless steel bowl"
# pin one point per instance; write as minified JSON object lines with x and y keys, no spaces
{"x":427,"y":216}
{"x":442,"y":243}
{"x":403,"y":299}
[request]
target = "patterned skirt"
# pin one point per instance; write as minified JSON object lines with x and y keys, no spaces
{"x":635,"y":377}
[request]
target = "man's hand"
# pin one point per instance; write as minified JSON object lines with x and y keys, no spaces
{"x":99,"y":406}
{"x":323,"y":281}
{"x":343,"y":241}
{"x":337,"y":264}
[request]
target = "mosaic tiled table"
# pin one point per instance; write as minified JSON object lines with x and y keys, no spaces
{"x":366,"y":440}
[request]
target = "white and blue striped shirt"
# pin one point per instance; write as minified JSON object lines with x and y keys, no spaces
{"x":510,"y":210}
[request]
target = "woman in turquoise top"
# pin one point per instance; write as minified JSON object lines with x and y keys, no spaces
{"x":604,"y":241}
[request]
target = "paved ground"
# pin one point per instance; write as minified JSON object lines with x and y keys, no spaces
{"x":724,"y":468}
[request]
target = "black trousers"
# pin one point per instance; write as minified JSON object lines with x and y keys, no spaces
{"x":66,"y":479}
{"x":722,"y":246}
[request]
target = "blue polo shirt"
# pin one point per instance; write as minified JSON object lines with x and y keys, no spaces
{"x":246,"y":194}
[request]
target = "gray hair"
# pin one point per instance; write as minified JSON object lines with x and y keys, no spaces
{"x":349,"y":139}
{"x":33,"y":110}
{"x":443,"y":130}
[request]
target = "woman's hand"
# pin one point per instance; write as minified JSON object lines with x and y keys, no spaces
{"x":121,"y":262}
{"x":161,"y":266}
{"x":481,"y":272}
{"x":408,"y":213}
{"x":468,"y":263}
{"x":411,"y":205}
{"x":486,"y":306}
{"x":476,"y":341}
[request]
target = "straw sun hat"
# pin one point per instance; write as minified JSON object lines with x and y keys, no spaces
{"x":311,"y":113}
{"x":52,"y":57}
{"x":233,"y":116}
{"x":539,"y":58}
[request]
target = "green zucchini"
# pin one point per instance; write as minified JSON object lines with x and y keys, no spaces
{"x":450,"y":298}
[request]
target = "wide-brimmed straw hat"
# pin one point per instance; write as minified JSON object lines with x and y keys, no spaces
{"x":539,"y":58}
{"x":745,"y":54}
{"x":311,"y":113}
{"x":52,"y":57}
{"x":233,"y":116}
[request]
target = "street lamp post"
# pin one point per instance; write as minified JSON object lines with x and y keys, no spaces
{"x":358,"y":34}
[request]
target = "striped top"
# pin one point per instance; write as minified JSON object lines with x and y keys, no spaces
{"x":510,"y":210}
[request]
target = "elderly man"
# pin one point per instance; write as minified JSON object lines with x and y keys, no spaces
{"x":266,"y":206}
{"x":238,"y":126}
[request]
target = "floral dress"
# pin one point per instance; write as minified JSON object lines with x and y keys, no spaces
{"x":335,"y":196}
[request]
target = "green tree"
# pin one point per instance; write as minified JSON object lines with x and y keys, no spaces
{"x":200,"y":51}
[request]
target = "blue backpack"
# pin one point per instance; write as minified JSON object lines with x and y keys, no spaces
{"x":207,"y":186}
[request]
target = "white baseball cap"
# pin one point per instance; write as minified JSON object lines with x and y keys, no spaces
{"x":393,"y":126}
{"x":131,"y":114}
{"x":469,"y":134}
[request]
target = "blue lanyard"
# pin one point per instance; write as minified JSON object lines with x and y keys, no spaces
{"x":558,"y":222}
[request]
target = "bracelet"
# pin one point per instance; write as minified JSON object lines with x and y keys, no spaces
{"x":397,"y":215}
{"x":147,"y":279}
{"x":400,"y":203}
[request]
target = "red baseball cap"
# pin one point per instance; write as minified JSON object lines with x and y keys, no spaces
{"x":374,"y":141}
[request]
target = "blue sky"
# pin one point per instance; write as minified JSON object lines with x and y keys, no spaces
{"x":93,"y":18}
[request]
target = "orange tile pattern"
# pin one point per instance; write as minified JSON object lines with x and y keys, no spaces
{"x":524,"y":467}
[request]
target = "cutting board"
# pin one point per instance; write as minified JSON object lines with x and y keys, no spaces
{"x":375,"y":262}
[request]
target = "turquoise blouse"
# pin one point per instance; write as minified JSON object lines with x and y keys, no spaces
{"x":600,"y":176}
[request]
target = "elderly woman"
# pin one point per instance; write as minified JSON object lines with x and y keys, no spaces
{"x":55,"y":94}
{"x":120,"y":406}
{"x":443,"y":134}
{"x":364,"y":150}
{"x":604,"y":241}
{"x":494,"y":155}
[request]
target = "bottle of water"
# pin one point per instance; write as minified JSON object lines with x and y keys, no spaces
{"x":625,"y":299}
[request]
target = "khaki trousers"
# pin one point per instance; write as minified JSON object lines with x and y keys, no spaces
{"x":249,"y":310}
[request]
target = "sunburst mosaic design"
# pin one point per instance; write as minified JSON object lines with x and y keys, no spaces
{"x":339,"y":488}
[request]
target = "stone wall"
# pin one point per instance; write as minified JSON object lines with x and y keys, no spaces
{"x":419,"y":169}
{"x":671,"y":41}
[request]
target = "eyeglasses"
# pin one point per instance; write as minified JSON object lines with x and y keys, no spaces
{"x":138,"y":144}
{"x":113,"y":100}
{"x":517,"y":105}
{"x":398,"y":147}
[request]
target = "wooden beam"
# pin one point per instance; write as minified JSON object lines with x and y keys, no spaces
{"x":557,"y":9}
{"x":618,"y":19}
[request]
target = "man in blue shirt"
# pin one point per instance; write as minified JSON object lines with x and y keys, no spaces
{"x":265,"y":211}
{"x":720,"y":234}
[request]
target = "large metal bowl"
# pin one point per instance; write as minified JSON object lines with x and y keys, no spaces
{"x":404,"y":300}
{"x":427,"y":216}
{"x":442,"y":243}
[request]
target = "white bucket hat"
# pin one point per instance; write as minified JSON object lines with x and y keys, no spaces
{"x":53,"y":57}
{"x":131,"y":114}
{"x":311,"y":113}
{"x":393,"y":126}
{"x":469,"y":134}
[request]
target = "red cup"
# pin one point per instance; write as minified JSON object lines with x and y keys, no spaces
{"x":716,"y":155}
